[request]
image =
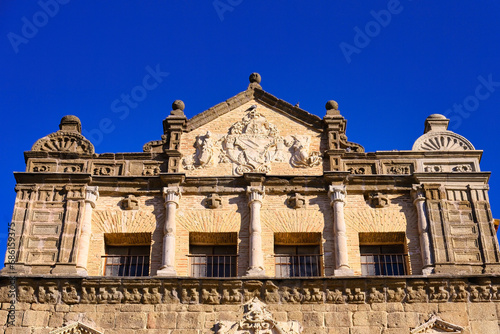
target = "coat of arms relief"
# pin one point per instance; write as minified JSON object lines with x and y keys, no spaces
{"x":257,"y":320}
{"x":251,"y":145}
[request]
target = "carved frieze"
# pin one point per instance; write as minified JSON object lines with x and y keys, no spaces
{"x":272,"y":291}
{"x":151,"y":169}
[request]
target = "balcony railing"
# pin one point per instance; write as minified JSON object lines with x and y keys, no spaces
{"x":126,"y":265}
{"x":308,"y":265}
{"x":213,"y":265}
{"x":384,"y":264}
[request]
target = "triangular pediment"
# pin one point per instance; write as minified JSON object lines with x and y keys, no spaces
{"x":252,"y":138}
{"x":76,"y":328}
{"x":436,"y":325}
{"x":258,"y":96}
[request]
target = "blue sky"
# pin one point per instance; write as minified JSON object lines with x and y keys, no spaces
{"x":389,"y":64}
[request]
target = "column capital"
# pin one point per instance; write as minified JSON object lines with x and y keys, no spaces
{"x":91,"y":195}
{"x":255,"y":193}
{"x":418,"y":193}
{"x":337,"y":193}
{"x":172,"y":194}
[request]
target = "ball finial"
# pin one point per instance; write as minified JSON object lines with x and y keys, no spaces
{"x":178,"y":105}
{"x":332,"y":105}
{"x":255,"y":77}
{"x":70,"y":123}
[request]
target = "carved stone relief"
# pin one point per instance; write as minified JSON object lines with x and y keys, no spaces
{"x":378,"y":200}
{"x":92,"y":291}
{"x":360,"y":169}
{"x":130,"y":202}
{"x":76,"y":328}
{"x":296,"y":201}
{"x":62,"y":141}
{"x":151,"y":169}
{"x":436,"y":325}
{"x":251,"y":145}
{"x":442,"y":141}
{"x":256,"y":319}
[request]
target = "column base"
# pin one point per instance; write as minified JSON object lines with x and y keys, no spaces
{"x":428,"y":271}
{"x":343,"y":272}
{"x":166,"y":271}
{"x":61,"y":269}
{"x":255,"y":272}
{"x":81,"y":272}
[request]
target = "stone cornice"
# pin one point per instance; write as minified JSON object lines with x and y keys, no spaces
{"x":73,"y":178}
{"x":157,"y":290}
{"x":468,"y":178}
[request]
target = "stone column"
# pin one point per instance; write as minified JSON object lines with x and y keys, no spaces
{"x":423,"y":231}
{"x":172,"y":195}
{"x":337,"y":196}
{"x":91,"y":196}
{"x":256,"y":256}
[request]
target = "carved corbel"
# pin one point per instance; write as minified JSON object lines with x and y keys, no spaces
{"x":130,"y":202}
{"x":213,"y":201}
{"x":378,"y":200}
{"x":296,"y":201}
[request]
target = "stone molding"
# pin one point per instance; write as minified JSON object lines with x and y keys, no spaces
{"x":70,"y":290}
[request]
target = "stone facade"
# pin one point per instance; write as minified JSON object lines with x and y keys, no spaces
{"x":390,"y":241}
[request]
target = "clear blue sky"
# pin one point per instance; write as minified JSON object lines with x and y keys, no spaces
{"x":389,"y":64}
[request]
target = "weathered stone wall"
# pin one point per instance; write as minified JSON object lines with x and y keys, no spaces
{"x":355,"y":306}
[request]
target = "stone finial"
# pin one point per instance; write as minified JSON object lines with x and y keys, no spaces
{"x":178,"y":108}
{"x":332,"y":108}
{"x":70,"y":123}
{"x":436,"y":123}
{"x":255,"y":79}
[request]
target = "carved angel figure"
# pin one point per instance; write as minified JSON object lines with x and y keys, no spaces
{"x":301,"y":157}
{"x":205,"y":154}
